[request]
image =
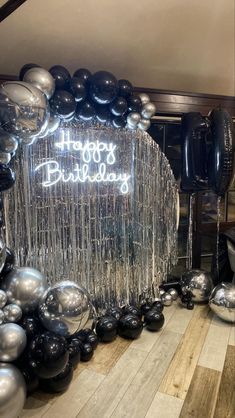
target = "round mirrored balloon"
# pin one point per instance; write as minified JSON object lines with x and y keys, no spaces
{"x":12,"y":313}
{"x":65,"y":308}
{"x":5,"y":157}
{"x":222,"y":301}
{"x":167,"y":299}
{"x":148,"y":110}
{"x":41,"y":79}
{"x":12,"y":341}
{"x":12,"y":391}
{"x":199,"y":282}
{"x":133,"y":119}
{"x":25,"y":287}
{"x":144,"y":124}
{"x":23,"y":109}
{"x":144,"y":98}
{"x":3,"y":298}
{"x":2,"y":316}
{"x":173,"y":293}
{"x":7,"y":142}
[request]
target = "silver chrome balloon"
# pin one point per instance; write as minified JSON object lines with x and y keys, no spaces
{"x":148,"y":110}
{"x":12,"y":313}
{"x":144,"y":124}
{"x":5,"y":157}
{"x":23,"y":109}
{"x":222,"y":301}
{"x":173,"y":293}
{"x":3,"y":298}
{"x":199,"y":282}
{"x":133,"y":119}
{"x":2,"y":254}
{"x":12,"y":391}
{"x":144,"y":98}
{"x":7,"y":142}
{"x":25,"y":287}
{"x":42,"y":79}
{"x":2,"y":317}
{"x":12,"y":341}
{"x":167,"y":299}
{"x":161,"y":292}
{"x":65,"y":308}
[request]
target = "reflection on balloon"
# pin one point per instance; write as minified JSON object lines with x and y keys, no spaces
{"x":199,"y":282}
{"x":12,"y":398}
{"x":222,"y":301}
{"x":12,"y":341}
{"x":42,"y":79}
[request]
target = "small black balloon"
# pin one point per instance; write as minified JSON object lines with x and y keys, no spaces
{"x":7,"y":177}
{"x":145,"y":307}
{"x":83,"y":74}
{"x":59,"y":383}
{"x":103,"y":113}
{"x":82,"y":334}
{"x":9,"y":262}
{"x":124,"y":88}
{"x":48,"y":354}
{"x":85,"y":111}
{"x":106,"y":329}
{"x":103,"y":87}
{"x":31,"y":325}
{"x":87,"y":351}
{"x":61,"y":76}
{"x":74,"y":349}
{"x":134,"y":104}
{"x":118,"y":107}
{"x":115,"y":311}
{"x":93,"y":340}
{"x":190,"y":305}
{"x":154,"y":320}
{"x":78,"y":89}
{"x":25,"y":68}
{"x":119,"y":121}
{"x":129,"y":309}
{"x":130,"y":326}
{"x":31,"y":379}
{"x":63,"y":104}
{"x":158,"y":306}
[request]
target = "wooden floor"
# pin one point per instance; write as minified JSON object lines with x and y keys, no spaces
{"x":185,"y":370}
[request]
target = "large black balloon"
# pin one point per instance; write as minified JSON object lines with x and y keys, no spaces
{"x":85,"y":111}
{"x":103,"y":87}
{"x":48,"y":354}
{"x":9,"y":262}
{"x":31,"y":325}
{"x":220,"y":167}
{"x":193,"y":152}
{"x":7,"y":177}
{"x":25,"y":68}
{"x":130,"y":326}
{"x":87,"y":351}
{"x":119,"y":121}
{"x":74,"y":349}
{"x":61,"y":76}
{"x":63,"y":104}
{"x":78,"y":89}
{"x":145,"y":307}
{"x":115,"y":311}
{"x":106,"y":329}
{"x":103,"y":113}
{"x":134,"y":104}
{"x":31,"y":379}
{"x":59,"y":383}
{"x":154,"y":320}
{"x":124,"y":88}
{"x":83,"y":74}
{"x":118,"y":107}
{"x":130,"y":309}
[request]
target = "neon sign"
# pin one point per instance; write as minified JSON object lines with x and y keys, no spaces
{"x":94,"y":159}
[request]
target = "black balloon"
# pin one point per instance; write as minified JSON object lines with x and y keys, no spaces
{"x":31,"y":379}
{"x":190,"y":305}
{"x":9,"y":262}
{"x":85,"y":111}
{"x":134,"y":104}
{"x":119,"y":121}
{"x":115,"y":311}
{"x":83,"y":74}
{"x":124,"y":88}
{"x":31,"y":325}
{"x":103,"y":113}
{"x":130,"y":326}
{"x":145,"y":307}
{"x":154,"y":320}
{"x":78,"y":89}
{"x":7,"y":177}
{"x":87,"y":351}
{"x":48,"y":354}
{"x":118,"y":107}
{"x":129,"y":309}
{"x":158,"y":306}
{"x":61,"y":76}
{"x":59,"y":383}
{"x":82,"y":334}
{"x":106,"y":328}
{"x":63,"y":104}
{"x":93,"y":340}
{"x":74,"y":349}
{"x":103,"y":87}
{"x":25,"y":68}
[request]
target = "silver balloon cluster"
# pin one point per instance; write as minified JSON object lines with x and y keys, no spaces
{"x":199,"y":283}
{"x":142,"y":120}
{"x":167,"y":298}
{"x":222,"y":301}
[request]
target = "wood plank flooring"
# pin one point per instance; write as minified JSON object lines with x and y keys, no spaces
{"x":186,"y":370}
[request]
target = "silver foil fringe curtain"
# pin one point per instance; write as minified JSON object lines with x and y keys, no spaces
{"x":117,"y":238}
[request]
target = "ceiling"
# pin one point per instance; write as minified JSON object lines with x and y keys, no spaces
{"x":184,"y":45}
